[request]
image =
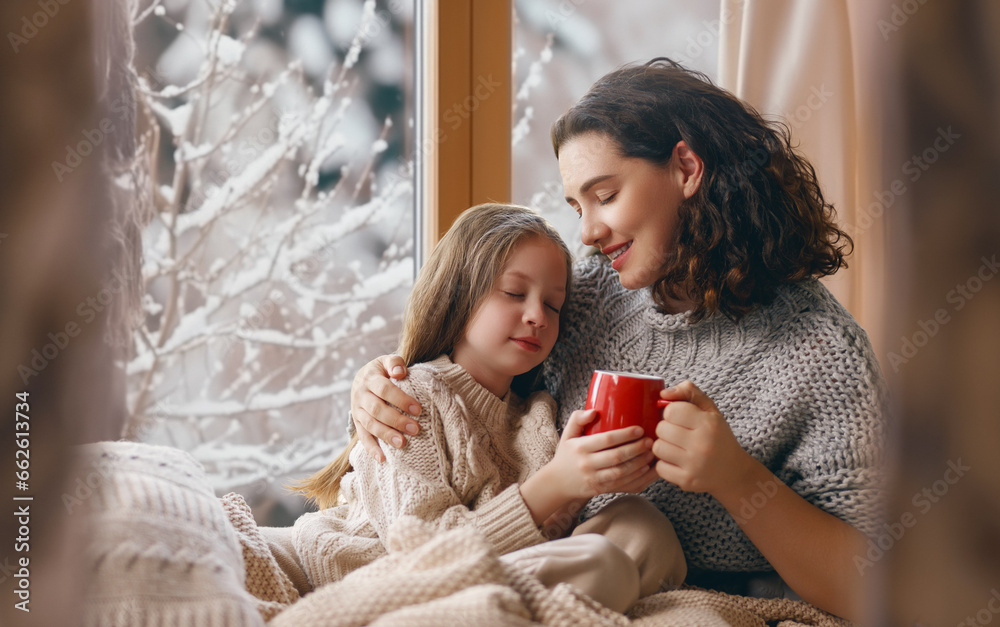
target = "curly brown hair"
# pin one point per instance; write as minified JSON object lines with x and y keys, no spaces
{"x":758,"y":219}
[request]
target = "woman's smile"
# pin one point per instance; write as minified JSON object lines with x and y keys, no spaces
{"x":617,"y":255}
{"x":628,"y":205}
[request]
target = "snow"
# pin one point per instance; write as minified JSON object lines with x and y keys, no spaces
{"x":263,"y":291}
{"x":388,"y":62}
{"x":228,"y":50}
{"x":167,"y":192}
{"x":396,"y":275}
{"x":535,"y":71}
{"x":377,"y":323}
{"x":269,"y":11}
{"x":261,"y":402}
{"x":179,"y":63}
{"x":307,"y":42}
{"x":342,"y":19}
{"x":237,"y":467}
{"x":233,"y":190}
{"x":177,"y":119}
{"x":150,"y":306}
{"x":363,"y":35}
{"x":523,"y":126}
{"x":192,"y":325}
{"x":306,"y":305}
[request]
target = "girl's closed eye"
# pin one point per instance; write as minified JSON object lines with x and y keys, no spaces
{"x":605,"y":201}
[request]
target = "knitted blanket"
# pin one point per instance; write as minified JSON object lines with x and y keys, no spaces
{"x":455,"y":578}
{"x":166,"y":552}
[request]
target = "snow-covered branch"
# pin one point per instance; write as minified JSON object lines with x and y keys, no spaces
{"x":265,"y":288}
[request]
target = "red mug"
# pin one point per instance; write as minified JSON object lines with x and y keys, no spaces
{"x":625,"y":399}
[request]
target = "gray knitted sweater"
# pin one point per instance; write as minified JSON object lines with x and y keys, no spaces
{"x":796,"y":380}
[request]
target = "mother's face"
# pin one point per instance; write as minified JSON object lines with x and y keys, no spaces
{"x":628,"y":205}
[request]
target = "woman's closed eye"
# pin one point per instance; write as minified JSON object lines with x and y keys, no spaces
{"x":605,"y":201}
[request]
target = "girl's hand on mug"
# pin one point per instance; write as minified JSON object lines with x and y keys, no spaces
{"x":697,"y":450}
{"x":613,"y":461}
{"x":373,"y":405}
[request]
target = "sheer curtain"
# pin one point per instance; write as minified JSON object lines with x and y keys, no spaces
{"x":814,"y":64}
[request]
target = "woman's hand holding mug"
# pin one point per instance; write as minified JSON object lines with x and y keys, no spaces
{"x":696,"y":448}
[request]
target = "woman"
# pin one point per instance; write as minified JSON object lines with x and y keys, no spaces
{"x":717,"y":232}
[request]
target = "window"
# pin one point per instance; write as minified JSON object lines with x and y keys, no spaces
{"x":278,"y":249}
{"x":290,"y":144}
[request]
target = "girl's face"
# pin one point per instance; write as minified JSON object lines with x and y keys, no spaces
{"x":516,"y":326}
{"x":628,"y":205}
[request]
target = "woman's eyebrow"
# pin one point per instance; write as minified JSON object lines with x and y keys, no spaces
{"x":594,"y":180}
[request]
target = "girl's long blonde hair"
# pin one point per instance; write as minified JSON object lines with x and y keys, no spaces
{"x":459,"y":274}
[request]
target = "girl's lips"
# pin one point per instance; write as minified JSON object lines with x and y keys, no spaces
{"x":528,"y":343}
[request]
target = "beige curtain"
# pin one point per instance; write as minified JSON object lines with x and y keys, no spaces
{"x":814,"y":64}
{"x":934,"y":68}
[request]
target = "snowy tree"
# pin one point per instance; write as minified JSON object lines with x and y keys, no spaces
{"x":276,"y":253}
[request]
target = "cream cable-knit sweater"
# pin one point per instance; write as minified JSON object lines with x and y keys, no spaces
{"x":463,"y":468}
{"x":797,"y":381}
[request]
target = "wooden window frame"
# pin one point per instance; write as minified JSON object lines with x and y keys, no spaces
{"x":464,"y":76}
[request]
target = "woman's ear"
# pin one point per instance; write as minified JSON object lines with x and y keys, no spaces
{"x":691,"y":168}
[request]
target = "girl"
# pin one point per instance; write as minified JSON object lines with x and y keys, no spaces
{"x":482,"y":318}
{"x":717,"y":231}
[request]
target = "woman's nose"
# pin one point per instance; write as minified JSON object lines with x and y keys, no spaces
{"x":592,"y":231}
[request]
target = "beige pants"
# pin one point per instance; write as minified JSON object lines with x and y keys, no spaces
{"x":625,"y":552}
{"x":279,"y":540}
